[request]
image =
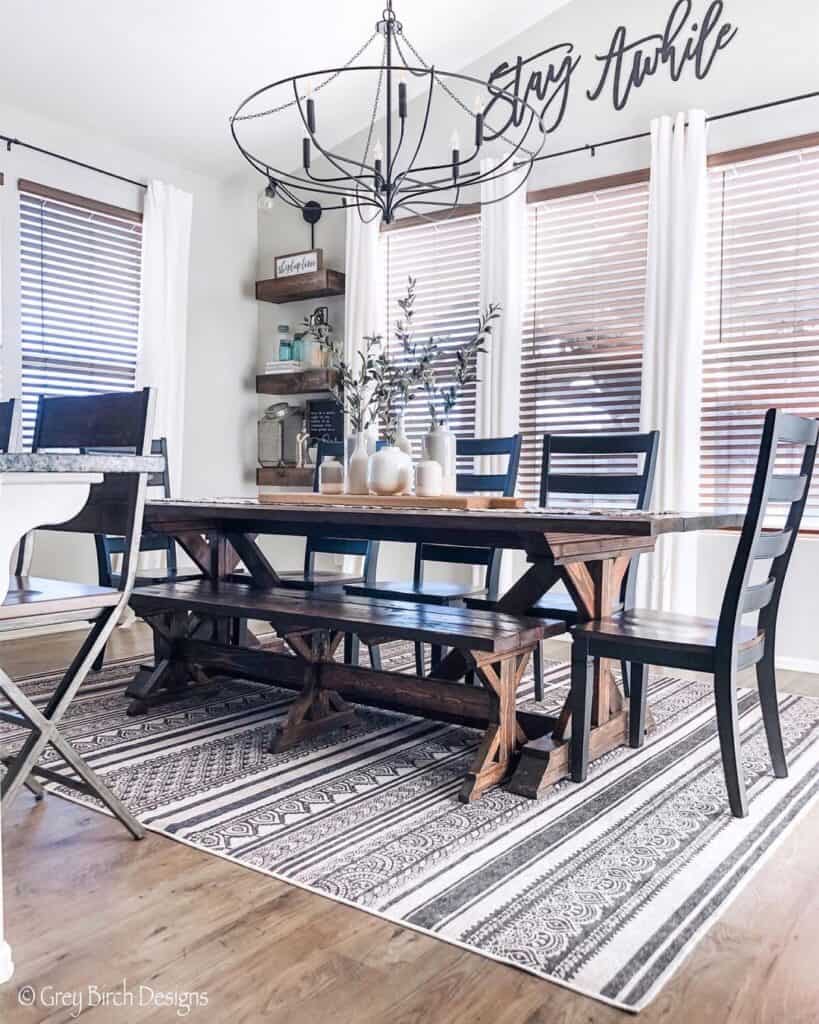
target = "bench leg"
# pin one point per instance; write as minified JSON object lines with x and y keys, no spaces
{"x":501,"y":741}
{"x":315,"y":710}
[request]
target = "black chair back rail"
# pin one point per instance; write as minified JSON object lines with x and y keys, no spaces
{"x":6,"y":424}
{"x":503,"y":484}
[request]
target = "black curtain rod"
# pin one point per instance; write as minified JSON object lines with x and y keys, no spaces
{"x":69,"y":160}
{"x":588,"y":148}
{"x":591,"y":147}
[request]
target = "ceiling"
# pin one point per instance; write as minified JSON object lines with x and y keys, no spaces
{"x":163,"y":77}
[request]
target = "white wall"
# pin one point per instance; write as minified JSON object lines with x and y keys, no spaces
{"x":219,"y":454}
{"x":772,"y":57}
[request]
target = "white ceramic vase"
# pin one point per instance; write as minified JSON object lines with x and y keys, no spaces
{"x":390,"y":471}
{"x":439,"y":445}
{"x":357,"y":466}
{"x":401,"y":439}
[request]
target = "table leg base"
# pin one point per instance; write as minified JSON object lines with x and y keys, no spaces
{"x":312,"y":714}
{"x":545,"y":761}
{"x":163,"y":684}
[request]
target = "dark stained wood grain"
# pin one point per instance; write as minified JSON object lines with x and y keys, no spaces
{"x":469,"y":629}
{"x":317,"y":285}
{"x":301,"y":382}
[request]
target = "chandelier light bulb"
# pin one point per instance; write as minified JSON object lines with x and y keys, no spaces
{"x":455,"y":141}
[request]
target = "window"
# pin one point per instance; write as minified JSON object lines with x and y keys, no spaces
{"x":583,"y":327}
{"x":444,"y":257}
{"x":762,"y":332}
{"x":80,"y":267}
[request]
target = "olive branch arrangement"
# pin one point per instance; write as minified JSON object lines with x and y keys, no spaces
{"x":378,"y":388}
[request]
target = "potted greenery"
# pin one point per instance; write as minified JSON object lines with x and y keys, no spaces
{"x":440,"y":443}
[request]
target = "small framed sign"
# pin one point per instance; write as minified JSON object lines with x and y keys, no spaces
{"x":325,"y":420}
{"x":299,"y":263}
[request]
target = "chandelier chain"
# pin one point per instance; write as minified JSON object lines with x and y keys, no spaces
{"x":321,"y":85}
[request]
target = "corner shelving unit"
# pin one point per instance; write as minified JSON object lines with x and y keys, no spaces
{"x":301,"y":382}
{"x":320,"y":284}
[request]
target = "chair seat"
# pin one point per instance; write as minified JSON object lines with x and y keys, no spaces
{"x":423,"y":593}
{"x":660,"y":633}
{"x":318,"y":580}
{"x":32,"y":595}
{"x":160,"y":576}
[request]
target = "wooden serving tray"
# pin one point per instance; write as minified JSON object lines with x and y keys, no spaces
{"x":453,"y":501}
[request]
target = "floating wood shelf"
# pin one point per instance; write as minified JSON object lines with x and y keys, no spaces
{"x":301,"y":382}
{"x":284,"y":476}
{"x":317,"y":285}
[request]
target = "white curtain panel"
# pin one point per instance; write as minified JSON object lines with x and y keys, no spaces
{"x":672,"y":345}
{"x":363,"y":310}
{"x":504,"y":224}
{"x":166,"y":237}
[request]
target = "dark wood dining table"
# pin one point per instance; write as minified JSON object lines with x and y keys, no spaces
{"x":587,"y":550}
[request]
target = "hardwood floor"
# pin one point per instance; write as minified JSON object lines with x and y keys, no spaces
{"x":85,"y":905}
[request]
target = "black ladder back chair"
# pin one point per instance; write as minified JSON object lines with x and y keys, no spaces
{"x":723,"y":647}
{"x":426,"y":592}
{"x":7,"y":424}
{"x":116,"y":506}
{"x":583,"y":451}
{"x":315,"y":579}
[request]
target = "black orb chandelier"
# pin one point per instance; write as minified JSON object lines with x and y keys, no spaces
{"x":394,"y":164}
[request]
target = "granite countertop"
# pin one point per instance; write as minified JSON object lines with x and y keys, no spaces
{"x":69,"y":462}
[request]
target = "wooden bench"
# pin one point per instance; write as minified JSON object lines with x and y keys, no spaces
{"x":496,"y":648}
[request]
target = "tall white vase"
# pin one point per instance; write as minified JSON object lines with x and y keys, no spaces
{"x":439,"y":445}
{"x":357,"y":467}
{"x":401,"y":439}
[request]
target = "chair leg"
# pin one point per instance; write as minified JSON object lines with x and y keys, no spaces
{"x":625,"y":670}
{"x":436,"y":655}
{"x":99,"y":661}
{"x":581,"y":695}
{"x":375,"y":657}
{"x":419,"y":659}
{"x":352,"y":649}
{"x":766,"y":683}
{"x":725,"y":696}
{"x":537,"y":670}
{"x":637,"y":704}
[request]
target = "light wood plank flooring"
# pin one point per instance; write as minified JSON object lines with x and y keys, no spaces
{"x":87,"y":905}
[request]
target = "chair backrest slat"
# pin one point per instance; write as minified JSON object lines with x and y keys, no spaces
{"x":596,"y":483}
{"x":771,"y":545}
{"x":741,"y":596}
{"x":472,"y":482}
{"x":7,"y":424}
{"x":785,"y":488}
{"x":757,"y":596}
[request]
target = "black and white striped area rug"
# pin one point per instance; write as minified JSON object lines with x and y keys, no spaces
{"x":602,"y":888}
